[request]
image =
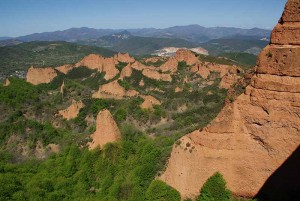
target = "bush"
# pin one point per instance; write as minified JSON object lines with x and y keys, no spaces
{"x":121,"y":115}
{"x":181,"y":65}
{"x":160,"y":191}
{"x":214,"y":189}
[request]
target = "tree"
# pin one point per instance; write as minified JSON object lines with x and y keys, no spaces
{"x":214,"y":189}
{"x":160,"y":191}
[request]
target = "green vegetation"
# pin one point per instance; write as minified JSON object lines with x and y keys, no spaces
{"x":160,"y":191}
{"x":242,"y":59}
{"x":138,"y":45}
{"x":79,"y":73}
{"x":122,"y":171}
{"x":217,"y":60}
{"x":39,"y":54}
{"x":125,"y":170}
{"x":224,"y":45}
{"x":19,"y":92}
{"x":214,"y":189}
{"x":158,"y":63}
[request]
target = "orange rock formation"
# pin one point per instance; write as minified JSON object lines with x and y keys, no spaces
{"x":72,"y":111}
{"x":139,"y":66}
{"x":126,"y":71}
{"x":94,"y":61}
{"x":153,"y":74}
{"x":170,"y":65}
{"x":37,"y":76}
{"x":255,"y":134}
{"x":149,"y":102}
{"x":110,"y":90}
{"x":113,"y":90}
{"x":7,"y":82}
{"x":178,"y":89}
{"x":187,"y":56}
{"x":109,"y":68}
{"x":228,"y":80}
{"x":125,"y":58}
{"x":141,"y":83}
{"x":65,"y":68}
{"x":106,"y":130}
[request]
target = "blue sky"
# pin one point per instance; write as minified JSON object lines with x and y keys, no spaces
{"x":22,"y":17}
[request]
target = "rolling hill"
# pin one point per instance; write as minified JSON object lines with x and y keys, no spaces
{"x":225,"y":45}
{"x":125,"y":42}
{"x":21,"y":57}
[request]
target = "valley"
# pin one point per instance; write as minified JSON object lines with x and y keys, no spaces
{"x":184,"y":113}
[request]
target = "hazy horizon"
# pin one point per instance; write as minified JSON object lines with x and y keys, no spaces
{"x":20,"y":17}
{"x":125,"y":29}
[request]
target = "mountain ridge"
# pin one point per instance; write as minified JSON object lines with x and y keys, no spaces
{"x":193,"y":32}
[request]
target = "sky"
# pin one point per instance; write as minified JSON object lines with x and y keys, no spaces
{"x":22,"y":17}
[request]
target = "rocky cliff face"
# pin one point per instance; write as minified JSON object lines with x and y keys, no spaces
{"x":106,"y":130}
{"x":40,"y":75}
{"x":94,"y":61}
{"x":254,"y":135}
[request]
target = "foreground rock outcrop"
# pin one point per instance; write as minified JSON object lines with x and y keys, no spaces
{"x":37,"y":76}
{"x":257,"y":133}
{"x":106,"y":130}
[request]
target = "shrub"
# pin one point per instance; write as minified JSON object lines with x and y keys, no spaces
{"x":159,"y":191}
{"x":121,"y":115}
{"x":80,"y":72}
{"x":181,"y":65}
{"x":214,"y":189}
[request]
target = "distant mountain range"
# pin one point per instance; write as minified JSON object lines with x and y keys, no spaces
{"x":146,"y":40}
{"x":5,"y":38}
{"x":194,"y":33}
